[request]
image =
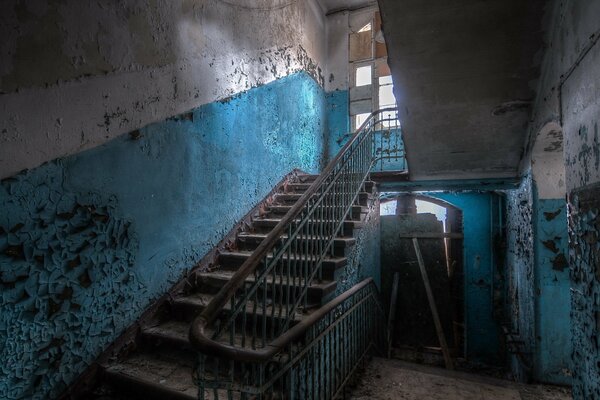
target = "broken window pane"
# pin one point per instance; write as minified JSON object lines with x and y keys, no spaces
{"x":386,"y":96}
{"x":385,"y":80}
{"x":388,"y":208}
{"x":363,"y":76}
{"x":366,"y":28}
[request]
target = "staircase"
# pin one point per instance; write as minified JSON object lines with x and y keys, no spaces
{"x":260,"y":320}
{"x":162,"y":365}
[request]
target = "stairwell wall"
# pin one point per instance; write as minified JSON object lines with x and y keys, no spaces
{"x":569,"y":98}
{"x":88,"y":241}
{"x":148,"y":129}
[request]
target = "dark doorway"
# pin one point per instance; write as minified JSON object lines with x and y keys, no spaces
{"x":438,"y":227}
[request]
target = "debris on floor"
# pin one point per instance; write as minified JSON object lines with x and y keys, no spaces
{"x":397,"y":380}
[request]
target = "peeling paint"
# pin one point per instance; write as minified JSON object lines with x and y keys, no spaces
{"x":520,"y":276}
{"x":67,"y":281}
{"x":584,"y":256}
{"x":108,"y":69}
{"x":364,"y":257}
{"x":88,"y":242}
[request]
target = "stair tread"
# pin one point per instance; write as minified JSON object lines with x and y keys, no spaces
{"x":174,"y":330}
{"x":202,"y":299}
{"x":226,"y":275}
{"x":293,"y":256}
{"x":277,"y":220}
{"x":159,"y":375}
{"x":258,"y":235}
{"x":172,"y":375}
{"x":287,"y":207}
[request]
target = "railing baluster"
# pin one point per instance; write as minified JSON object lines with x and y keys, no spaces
{"x":286,"y":266}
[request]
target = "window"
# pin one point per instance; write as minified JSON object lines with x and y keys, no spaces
{"x":366,"y":28}
{"x":363,"y":76}
{"x":388,"y":208}
{"x":359,"y":119}
{"x":386,"y":92}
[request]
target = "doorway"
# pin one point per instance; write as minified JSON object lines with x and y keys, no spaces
{"x":438,"y":229}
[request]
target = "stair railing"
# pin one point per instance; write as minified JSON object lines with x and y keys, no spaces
{"x":273,"y":285}
{"x":314,"y":359}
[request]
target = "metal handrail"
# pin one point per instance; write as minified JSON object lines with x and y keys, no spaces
{"x":198,"y":331}
{"x":357,"y":315}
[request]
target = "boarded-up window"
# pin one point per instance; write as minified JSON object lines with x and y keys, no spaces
{"x":380,"y":47}
{"x":361,"y":46}
{"x":381,"y":67}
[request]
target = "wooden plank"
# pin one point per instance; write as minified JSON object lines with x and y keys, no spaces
{"x":392,"y":315}
{"x":431,"y":235}
{"x":434,"y":312}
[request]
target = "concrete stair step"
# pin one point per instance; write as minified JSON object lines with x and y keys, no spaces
{"x":193,"y":304}
{"x":152,"y":377}
{"x":232,"y":260}
{"x":267,"y":224}
{"x":291,"y":198}
{"x":249,"y":241}
{"x":281,"y":210}
{"x":316,"y":291}
{"x":160,"y":375}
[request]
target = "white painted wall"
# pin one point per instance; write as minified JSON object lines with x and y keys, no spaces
{"x":76,"y":74}
{"x":337,"y":51}
{"x":339,"y":26}
{"x":547,"y":164}
{"x":569,"y":89}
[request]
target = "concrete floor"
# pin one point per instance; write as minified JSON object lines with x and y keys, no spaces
{"x":392,"y":379}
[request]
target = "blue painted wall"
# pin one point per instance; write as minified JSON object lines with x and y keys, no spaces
{"x":520,"y":272}
{"x":552,"y":363}
{"x":339,"y":131}
{"x":364,"y":258}
{"x":338,"y":121}
{"x":538,"y":285}
{"x":584,"y":260}
{"x":87,"y":242}
{"x":482,"y":340}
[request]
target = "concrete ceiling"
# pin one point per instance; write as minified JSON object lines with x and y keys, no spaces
{"x":464,"y":73}
{"x":335,"y":5}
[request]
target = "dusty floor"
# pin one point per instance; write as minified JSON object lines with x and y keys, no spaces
{"x":392,"y":379}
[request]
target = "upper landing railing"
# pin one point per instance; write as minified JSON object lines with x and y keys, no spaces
{"x":268,"y":290}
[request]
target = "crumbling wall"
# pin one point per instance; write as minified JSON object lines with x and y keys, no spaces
{"x":552,"y":363}
{"x":584,"y":258}
{"x":87,"y":242}
{"x":74,"y":74}
{"x":364,"y":258}
{"x":569,"y":95}
{"x":520,"y":303}
{"x":68,"y":280}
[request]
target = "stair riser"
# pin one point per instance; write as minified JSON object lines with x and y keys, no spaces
{"x":187,"y":312}
{"x":276,"y":212}
{"x":287,"y":199}
{"x":262,"y":226}
{"x":340,"y":248}
{"x":231,"y":263}
{"x":301,"y":187}
{"x":315,"y":294}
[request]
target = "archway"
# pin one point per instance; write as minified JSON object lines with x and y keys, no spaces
{"x":438,"y":227}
